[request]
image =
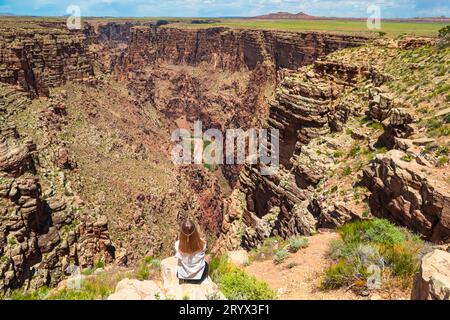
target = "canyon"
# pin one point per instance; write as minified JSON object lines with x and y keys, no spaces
{"x":86,"y":116}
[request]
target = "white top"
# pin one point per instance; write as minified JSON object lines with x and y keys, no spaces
{"x":190,"y":266}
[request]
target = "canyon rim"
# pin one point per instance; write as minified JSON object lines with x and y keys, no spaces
{"x":360,"y":185}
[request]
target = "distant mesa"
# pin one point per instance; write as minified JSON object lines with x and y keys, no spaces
{"x":286,"y":15}
{"x":303,"y":16}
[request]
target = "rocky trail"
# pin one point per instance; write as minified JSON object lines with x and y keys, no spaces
{"x":300,"y":275}
{"x":298,"y":278}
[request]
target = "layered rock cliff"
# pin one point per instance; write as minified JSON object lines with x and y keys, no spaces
{"x":96,"y":108}
{"x":232,"y":49}
{"x":335,"y":117}
{"x":41,"y":56}
{"x":41,"y":235}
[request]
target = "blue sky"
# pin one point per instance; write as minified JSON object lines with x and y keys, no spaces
{"x":221,"y":8}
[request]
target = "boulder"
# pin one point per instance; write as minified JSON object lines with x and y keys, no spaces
{"x":410,"y":194}
{"x":208,"y":290}
{"x":433,"y":280}
{"x":169,"y":289}
{"x":132,"y":289}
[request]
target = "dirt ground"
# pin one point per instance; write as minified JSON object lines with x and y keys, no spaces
{"x":302,"y":280}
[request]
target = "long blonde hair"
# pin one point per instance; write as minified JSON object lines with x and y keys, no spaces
{"x":190,"y":238}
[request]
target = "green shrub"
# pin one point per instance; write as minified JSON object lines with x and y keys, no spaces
{"x":219,"y":266}
{"x":442,"y":160}
{"x":372,"y":243}
{"x":267,"y":249}
{"x":87,"y":271}
{"x":347,"y":171}
{"x":99,"y":264}
{"x":338,"y":154}
{"x":444,"y":32}
{"x":446,"y":118}
{"x":149,"y":266}
{"x":375,"y":125}
{"x":403,"y":262}
{"x":39,"y":294}
{"x":297,"y":243}
{"x":354,"y":151}
{"x":408,"y":158}
{"x":339,"y":249}
{"x":436,"y":127}
{"x":378,"y":231}
{"x":339,"y":275}
{"x":235,"y":283}
{"x":442,"y":151}
{"x":238,"y":285}
{"x":280,"y":255}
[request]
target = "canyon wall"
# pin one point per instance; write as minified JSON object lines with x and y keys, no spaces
{"x":233,"y":49}
{"x":175,"y":69}
{"x":39,"y":56}
{"x":41,"y":235}
{"x":348,"y":150}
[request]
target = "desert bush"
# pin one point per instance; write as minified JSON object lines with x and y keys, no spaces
{"x":95,"y":288}
{"x":297,"y":243}
{"x":236,"y":284}
{"x":147,"y":268}
{"x":267,"y":249}
{"x":376,"y":242}
{"x":379,"y":231}
{"x":39,"y":294}
{"x":280,"y":255}
{"x":339,"y":275}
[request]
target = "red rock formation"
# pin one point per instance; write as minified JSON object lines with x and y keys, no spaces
{"x":40,"y":238}
{"x":232,"y":49}
{"x":404,"y":193}
{"x":42,"y":56}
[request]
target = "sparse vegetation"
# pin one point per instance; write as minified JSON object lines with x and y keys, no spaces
{"x":148,"y":268}
{"x":95,"y":288}
{"x":267,"y":249}
{"x":408,"y":158}
{"x":346,"y":171}
{"x":236,"y":284}
{"x":297,"y":243}
{"x":280,"y":255}
{"x":378,"y":243}
{"x":442,"y":160}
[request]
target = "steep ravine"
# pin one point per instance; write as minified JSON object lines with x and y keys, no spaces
{"x":85,"y":169}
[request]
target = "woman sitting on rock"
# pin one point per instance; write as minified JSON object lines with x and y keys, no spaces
{"x":193,"y":263}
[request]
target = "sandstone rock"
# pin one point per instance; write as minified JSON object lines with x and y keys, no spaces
{"x":239,"y":258}
{"x":232,"y":49}
{"x":205,"y":291}
{"x":433,"y":280}
{"x":128,"y":289}
{"x":40,"y":57}
{"x":14,"y":156}
{"x":403,"y":192}
{"x":400,"y":117}
{"x":64,"y":160}
{"x":403,"y":144}
{"x":49,"y":240}
{"x":121,"y":257}
{"x":170,"y":288}
{"x":380,"y":106}
{"x":423,"y":141}
{"x":415,"y":42}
